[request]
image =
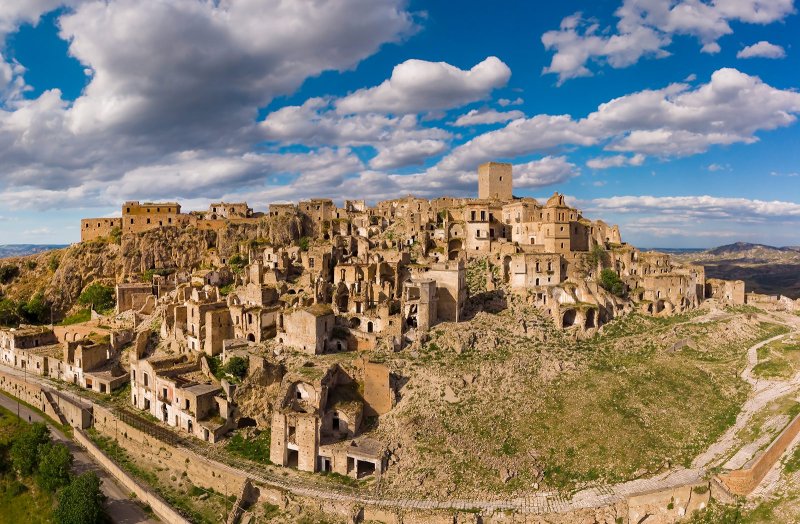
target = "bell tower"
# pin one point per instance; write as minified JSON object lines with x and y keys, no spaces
{"x":494,"y":181}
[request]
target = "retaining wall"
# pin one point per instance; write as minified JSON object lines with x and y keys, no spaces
{"x":743,"y":481}
{"x":159,"y":507}
{"x":140,"y":445}
{"x":76,"y":415}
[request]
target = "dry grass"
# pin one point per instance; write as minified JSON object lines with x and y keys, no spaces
{"x":560,"y":414}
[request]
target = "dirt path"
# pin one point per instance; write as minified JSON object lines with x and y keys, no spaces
{"x":765,"y":391}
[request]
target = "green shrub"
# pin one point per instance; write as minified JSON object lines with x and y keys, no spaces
{"x":610,"y":281}
{"x":8,"y":272}
{"x":237,"y":366}
{"x":36,"y":310}
{"x":597,"y":256}
{"x":100,"y":296}
{"x":304,"y":242}
{"x":115,"y":236}
{"x":53,"y":263}
{"x":237,"y":262}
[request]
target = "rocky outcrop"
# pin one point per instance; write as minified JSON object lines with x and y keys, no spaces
{"x":166,"y":247}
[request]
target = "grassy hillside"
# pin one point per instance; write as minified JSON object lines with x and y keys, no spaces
{"x":511,"y":411}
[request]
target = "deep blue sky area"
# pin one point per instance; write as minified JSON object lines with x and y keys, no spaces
{"x":682,"y":129}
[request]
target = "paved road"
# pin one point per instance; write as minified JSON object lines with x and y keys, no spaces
{"x":119,"y":506}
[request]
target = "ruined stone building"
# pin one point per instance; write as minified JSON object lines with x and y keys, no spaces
{"x":353,"y":279}
{"x":175,"y":390}
{"x":83,"y":354}
{"x":317,"y":426}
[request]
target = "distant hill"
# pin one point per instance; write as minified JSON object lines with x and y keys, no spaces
{"x":21,"y":250}
{"x":746,"y":247}
{"x":765,"y":269}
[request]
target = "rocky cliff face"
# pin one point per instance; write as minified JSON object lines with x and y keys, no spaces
{"x":79,"y":266}
{"x":168,"y":247}
{"x":188,"y":248}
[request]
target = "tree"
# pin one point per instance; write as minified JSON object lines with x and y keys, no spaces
{"x":8,"y":313}
{"x":610,"y":281}
{"x":36,"y":310}
{"x":24,"y":453}
{"x":237,"y":366}
{"x":55,"y":461}
{"x":98,"y":295}
{"x":81,"y":502}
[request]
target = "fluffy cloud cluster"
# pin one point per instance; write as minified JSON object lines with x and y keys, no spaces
{"x":606,"y":162}
{"x":486,"y":116}
{"x":399,"y":141}
{"x":645,"y":29}
{"x":762,"y":49}
{"x":417,"y":85}
{"x":13,"y":13}
{"x":709,"y":207}
{"x":544,"y":172}
{"x":676,"y":120}
{"x":168,"y":79}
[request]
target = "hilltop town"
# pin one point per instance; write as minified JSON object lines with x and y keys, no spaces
{"x":324,"y":331}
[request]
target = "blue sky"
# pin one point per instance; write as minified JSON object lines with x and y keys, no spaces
{"x":674,"y":118}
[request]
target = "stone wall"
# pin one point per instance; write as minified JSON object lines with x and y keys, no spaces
{"x":743,"y":481}
{"x":159,"y":507}
{"x":377,"y":391}
{"x":94,"y":228}
{"x":141,"y":446}
{"x":48,"y":401}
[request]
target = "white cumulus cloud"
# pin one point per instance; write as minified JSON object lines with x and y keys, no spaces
{"x":645,"y":29}
{"x":417,"y":85}
{"x":546,"y":171}
{"x":606,"y":162}
{"x":486,"y":116}
{"x":677,"y":120}
{"x":762,"y":49}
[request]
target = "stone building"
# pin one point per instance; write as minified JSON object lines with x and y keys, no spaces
{"x":730,"y":291}
{"x":137,"y":217}
{"x":317,"y":424}
{"x":95,"y":228}
{"x":174,"y":390}
{"x":308,"y":329}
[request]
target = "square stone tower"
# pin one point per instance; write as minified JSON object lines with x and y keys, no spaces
{"x":494,"y":181}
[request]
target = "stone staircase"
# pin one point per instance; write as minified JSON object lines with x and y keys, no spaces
{"x":54,"y":405}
